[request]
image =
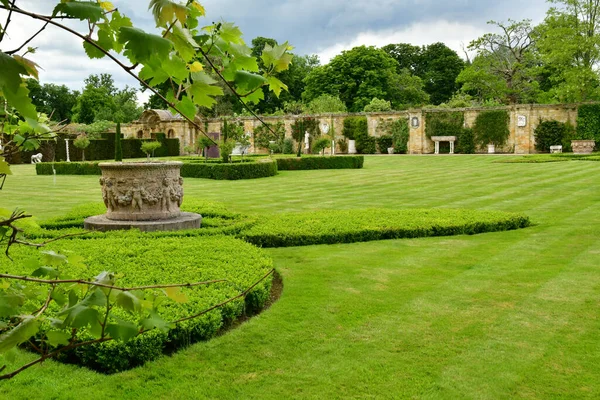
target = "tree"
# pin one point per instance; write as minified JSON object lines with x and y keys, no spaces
{"x":408,"y":57}
{"x":440,"y":66}
{"x":504,"y":66}
{"x":53,"y":100}
{"x":569,"y":44}
{"x":82,"y":142}
{"x":377,"y":105}
{"x":326,"y":103}
{"x":359,"y":75}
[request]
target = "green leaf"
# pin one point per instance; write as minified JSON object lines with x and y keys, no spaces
{"x":186,"y":107}
{"x":249,"y":81}
{"x":92,"y":51}
{"x":45,"y":271}
{"x":129,"y":302}
{"x":59,"y":296}
{"x":81,"y":316}
{"x":82,"y":10}
{"x":153,"y":75}
{"x":176,"y":68}
{"x":175,"y":294}
{"x":10,"y":303}
{"x":57,"y":338}
{"x":11,"y":72}
{"x":166,"y":11}
{"x":141,"y":46}
{"x":19,"y":99}
{"x":276,"y":57}
{"x":155,"y":321}
{"x":30,"y":66}
{"x":122,"y":331}
{"x":276,"y":85}
{"x":231,"y":33}
{"x":21,"y":333}
{"x":105,"y":278}
{"x":183,"y":42}
{"x":53,"y":258}
{"x":202,"y":90}
{"x":5,"y":3}
{"x":4,"y":167}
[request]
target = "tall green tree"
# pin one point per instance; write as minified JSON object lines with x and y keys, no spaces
{"x":505,"y":66}
{"x":56,"y":101}
{"x":569,"y":44}
{"x":440,"y":66}
{"x":360,"y":74}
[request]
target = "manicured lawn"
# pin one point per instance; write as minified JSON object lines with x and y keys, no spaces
{"x":500,"y":315}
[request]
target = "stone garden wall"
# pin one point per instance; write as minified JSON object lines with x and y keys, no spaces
{"x":524,"y":118}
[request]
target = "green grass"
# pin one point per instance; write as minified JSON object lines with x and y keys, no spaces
{"x":499,"y":315}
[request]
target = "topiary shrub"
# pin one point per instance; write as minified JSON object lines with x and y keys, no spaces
{"x":551,"y":133}
{"x":65,"y":168}
{"x":321,"y":144}
{"x":230,"y":171}
{"x":491,"y":127}
{"x":365,"y":144}
{"x":306,"y":163}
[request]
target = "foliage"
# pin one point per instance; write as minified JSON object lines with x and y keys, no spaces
{"x":443,"y":123}
{"x":349,"y":226}
{"x":503,"y":69}
{"x":325,"y":104}
{"x":384,"y":142}
{"x":303,"y":125}
{"x":150,"y":147}
{"x":377,"y":105}
{"x":437,"y":65}
{"x":365,"y":144}
{"x":491,"y":127}
{"x":118,"y":145}
{"x":263,"y":134}
{"x":320,"y":145}
{"x":288,"y":146}
{"x":355,"y":126}
{"x":68,"y":168}
{"x":53,"y":100}
{"x":465,"y":141}
{"x":588,"y":122}
{"x":82,"y":142}
{"x":225,"y":149}
{"x":360,"y":74}
{"x":235,"y":171}
{"x":326,"y":162}
{"x":399,"y":132}
{"x":552,"y":133}
{"x":74,"y":315}
{"x":343,"y":145}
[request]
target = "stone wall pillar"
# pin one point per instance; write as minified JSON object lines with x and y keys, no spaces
{"x":416,"y":125}
{"x":521,"y":131}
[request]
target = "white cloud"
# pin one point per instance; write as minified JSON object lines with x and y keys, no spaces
{"x":453,"y":34}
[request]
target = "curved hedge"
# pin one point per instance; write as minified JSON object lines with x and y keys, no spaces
{"x":348,"y":226}
{"x":230,"y":171}
{"x":190,"y":169}
{"x":143,"y":261}
{"x":320,"y":162}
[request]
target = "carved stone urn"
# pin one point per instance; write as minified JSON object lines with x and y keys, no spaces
{"x":142,"y":195}
{"x":583,"y":146}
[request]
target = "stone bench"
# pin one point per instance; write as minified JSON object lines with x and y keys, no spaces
{"x":556,"y":149}
{"x":438,"y":139}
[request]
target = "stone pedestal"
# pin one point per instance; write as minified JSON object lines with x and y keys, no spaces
{"x":583,"y":146}
{"x":142,"y":195}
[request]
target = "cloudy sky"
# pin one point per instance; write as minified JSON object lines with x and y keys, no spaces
{"x":323,"y":27}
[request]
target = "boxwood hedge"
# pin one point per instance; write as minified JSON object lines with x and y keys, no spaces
{"x":320,"y":162}
{"x":144,"y":261}
{"x":190,"y":169}
{"x":348,"y":226}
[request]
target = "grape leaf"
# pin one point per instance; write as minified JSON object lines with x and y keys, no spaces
{"x":82,"y":10}
{"x":81,"y":316}
{"x":128,"y":301}
{"x":4,"y":167}
{"x":122,"y":331}
{"x":57,"y":338}
{"x":53,"y":258}
{"x":203,"y":93}
{"x":196,"y":5}
{"x":141,"y":46}
{"x":196,"y":67}
{"x":19,"y":99}
{"x":155,"y":321}
{"x":29,"y":66}
{"x":45,"y":271}
{"x":175,"y":294}
{"x":10,"y":78}
{"x":92,"y":51}
{"x":276,"y":85}
{"x":21,"y":333}
{"x":165,"y":11}
{"x":176,"y":68}
{"x":231,"y":33}
{"x":187,"y":108}
{"x":276,"y":57}
{"x":249,"y":81}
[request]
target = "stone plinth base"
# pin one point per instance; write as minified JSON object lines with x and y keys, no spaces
{"x":183,"y":221}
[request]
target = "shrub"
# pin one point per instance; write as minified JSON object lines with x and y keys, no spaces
{"x":145,"y":261}
{"x":588,"y":122}
{"x":383,"y":142}
{"x":150,"y":147}
{"x":230,"y":171}
{"x":306,"y":163}
{"x":326,"y":103}
{"x":355,"y":126}
{"x":321,"y":144}
{"x":263,"y":134}
{"x":399,"y":132}
{"x":72,"y":168}
{"x":551,"y":133}
{"x":348,"y":226}
{"x":377,"y":105}
{"x":288,"y":146}
{"x":465,"y":141}
{"x":491,"y":127}
{"x":365,"y":144}
{"x":225,"y":148}
{"x":343,"y":145}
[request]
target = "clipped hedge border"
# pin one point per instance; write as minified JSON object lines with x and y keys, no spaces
{"x":231,"y":171}
{"x":143,"y":261}
{"x":349,"y":226}
{"x":320,"y":162}
{"x":218,"y":171}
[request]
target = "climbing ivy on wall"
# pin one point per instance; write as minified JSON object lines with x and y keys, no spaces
{"x":491,"y":127}
{"x":447,"y":123}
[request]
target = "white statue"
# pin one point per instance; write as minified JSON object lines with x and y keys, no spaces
{"x":36,"y":158}
{"x":306,"y":142}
